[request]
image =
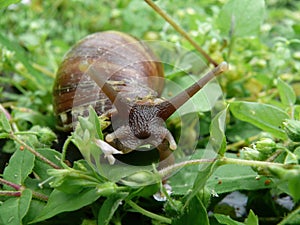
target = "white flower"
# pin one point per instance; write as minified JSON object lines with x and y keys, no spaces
{"x":160,"y":196}
{"x":108,"y":151}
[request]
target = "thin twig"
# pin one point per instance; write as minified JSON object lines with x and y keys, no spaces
{"x":149,"y":214}
{"x":10,"y":193}
{"x":180,"y":30}
{"x":40,"y":196}
{"x":19,"y":189}
{"x":33,"y":151}
{"x":10,"y":184}
{"x":170,"y":169}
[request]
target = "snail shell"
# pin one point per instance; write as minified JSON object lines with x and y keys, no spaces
{"x":129,"y":62}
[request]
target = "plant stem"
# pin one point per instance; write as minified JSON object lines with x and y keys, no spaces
{"x":10,"y":193}
{"x":167,"y":170}
{"x":43,"y":70}
{"x":40,"y":196}
{"x":180,"y":30}
{"x":222,"y":161}
{"x":237,"y":144}
{"x":290,"y":216}
{"x":37,"y":154}
{"x":254,"y":163}
{"x":26,"y":133}
{"x":19,"y":189}
{"x":11,"y":184}
{"x":65,"y":148}
{"x":149,"y":214}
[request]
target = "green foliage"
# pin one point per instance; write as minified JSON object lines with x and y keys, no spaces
{"x":61,"y":202}
{"x":5,"y":3}
{"x":249,"y":140}
{"x":267,"y":117}
{"x":110,"y":205}
{"x":20,"y":166}
{"x":14,"y":209}
{"x":195,"y":211}
{"x":241,"y":18}
{"x":292,"y":129}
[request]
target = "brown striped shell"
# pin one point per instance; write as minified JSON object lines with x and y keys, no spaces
{"x":128,"y":62}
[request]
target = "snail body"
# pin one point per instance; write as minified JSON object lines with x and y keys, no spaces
{"x":122,"y":79}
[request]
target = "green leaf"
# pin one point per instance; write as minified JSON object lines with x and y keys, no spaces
{"x":13,"y":210}
{"x":193,"y":214}
{"x":4,"y":123}
{"x":266,"y":117}
{"x":5,"y":3}
{"x":33,"y":117}
{"x":25,"y":200}
{"x":228,"y":178}
{"x":201,"y":179}
{"x":109,"y":207}
{"x":217,"y":135}
{"x":94,"y":119}
{"x":286,"y":92}
{"x":241,"y":17}
{"x":40,"y":167}
{"x":292,"y":218}
{"x":294,"y":184}
{"x":35,"y":208}
{"x":74,"y":180}
{"x":62,"y":202}
{"x":223,"y":219}
{"x":36,"y":80}
{"x":19,"y":167}
{"x":252,"y":219}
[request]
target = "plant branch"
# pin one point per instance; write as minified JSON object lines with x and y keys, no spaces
{"x":44,"y":70}
{"x":180,"y":30}
{"x":40,"y":196}
{"x":65,"y":148}
{"x":33,"y":151}
{"x":222,"y":161}
{"x":10,"y":193}
{"x":149,"y":214}
{"x":10,"y":184}
{"x":19,"y":189}
{"x":253,"y":163}
{"x":167,"y":170}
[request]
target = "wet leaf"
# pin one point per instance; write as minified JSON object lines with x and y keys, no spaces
{"x":241,"y":17}
{"x":266,"y":117}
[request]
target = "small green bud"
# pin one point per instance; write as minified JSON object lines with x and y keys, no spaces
{"x":292,"y":129}
{"x":145,"y":183}
{"x":46,"y":136}
{"x":265,"y":146}
{"x":140,"y":179}
{"x":107,"y":189}
{"x":250,"y":154}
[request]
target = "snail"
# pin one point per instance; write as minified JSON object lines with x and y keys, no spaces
{"x":123,"y":80}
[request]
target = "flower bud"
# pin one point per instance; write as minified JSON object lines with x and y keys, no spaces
{"x":265,"y":146}
{"x":140,"y":179}
{"x":250,"y":154}
{"x":292,"y":129}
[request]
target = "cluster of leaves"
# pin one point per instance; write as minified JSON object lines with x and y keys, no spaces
{"x":257,"y":155}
